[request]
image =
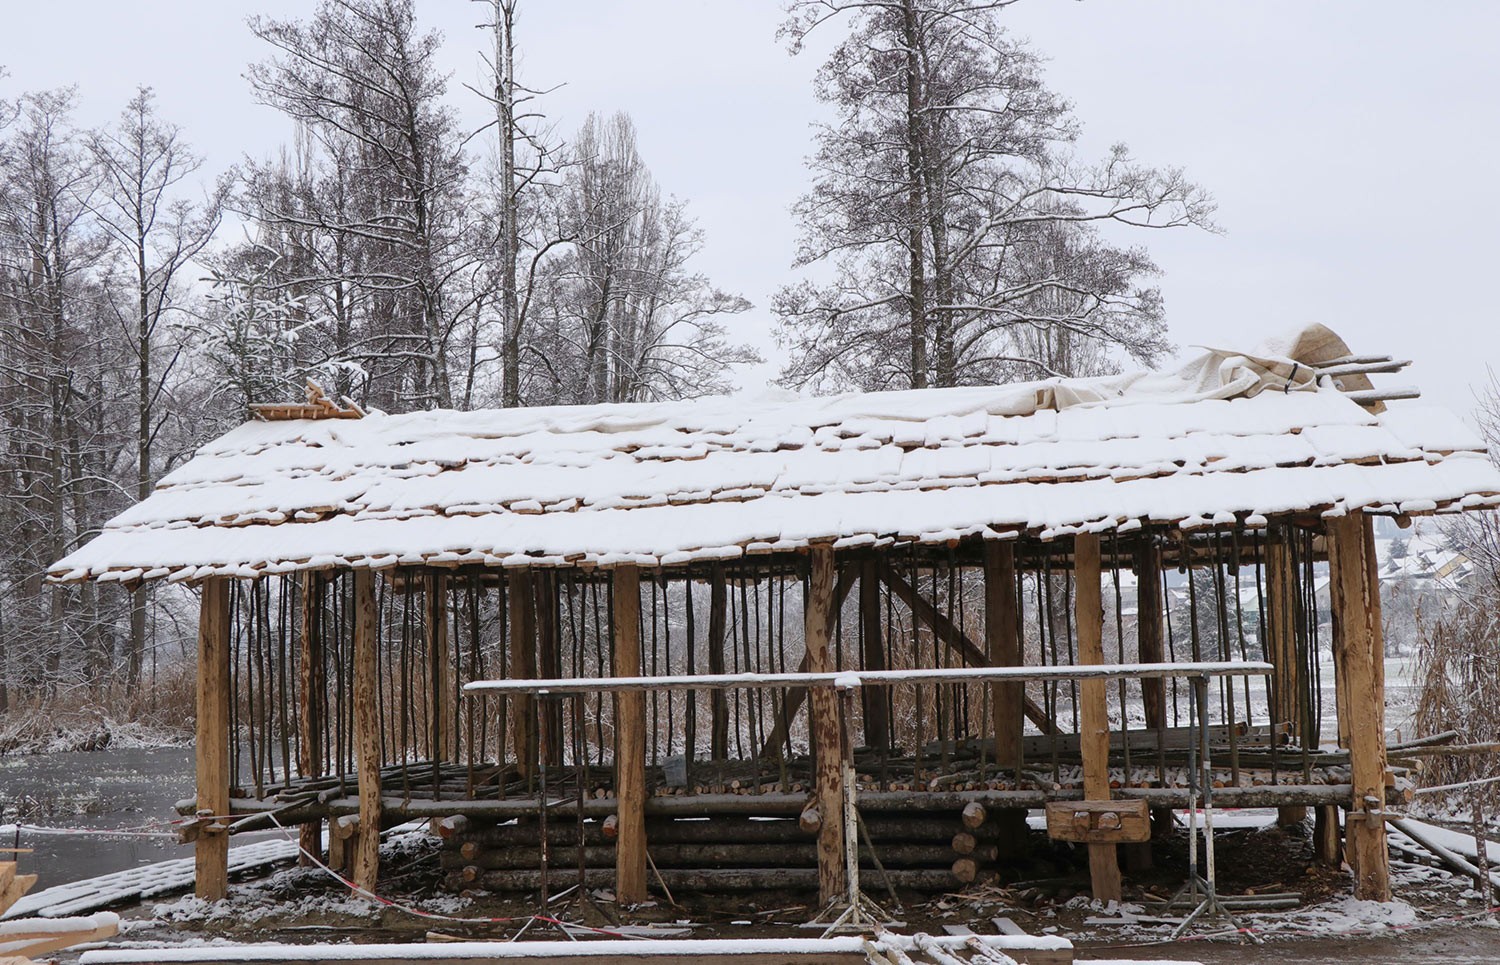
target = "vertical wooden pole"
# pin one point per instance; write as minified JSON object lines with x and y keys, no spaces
{"x":1008,"y":699}
{"x":1093,"y":736}
{"x":1359,"y":650}
{"x":1004,"y":646}
{"x":718,"y":701}
{"x":211,"y":852}
{"x":522,"y":667}
{"x":630,"y":741}
{"x":435,"y":624}
{"x":1150,"y":648}
{"x":548,"y":663}
{"x":310,"y":708}
{"x":366,"y":730}
{"x":872,"y":649}
{"x":826,"y":741}
{"x":1282,"y":604}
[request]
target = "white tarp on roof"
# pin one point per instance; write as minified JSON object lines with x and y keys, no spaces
{"x":1226,"y":436}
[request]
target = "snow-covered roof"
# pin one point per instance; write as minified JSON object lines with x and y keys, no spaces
{"x":671,"y":483}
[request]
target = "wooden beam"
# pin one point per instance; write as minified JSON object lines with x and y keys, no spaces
{"x":827,"y":743}
{"x":310,"y":708}
{"x":211,"y":851}
{"x":366,"y":730}
{"x":952,"y":637}
{"x":630,"y":740}
{"x":1359,"y":649}
{"x":1093,"y":730}
{"x":435,"y":628}
{"x":522,"y":667}
{"x":874,"y":707}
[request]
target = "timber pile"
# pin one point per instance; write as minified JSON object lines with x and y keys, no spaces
{"x":21,"y":939}
{"x":722,"y":853}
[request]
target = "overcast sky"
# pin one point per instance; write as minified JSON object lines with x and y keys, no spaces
{"x":1352,"y":146}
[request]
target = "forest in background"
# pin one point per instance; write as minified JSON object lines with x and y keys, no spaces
{"x":950,"y":234}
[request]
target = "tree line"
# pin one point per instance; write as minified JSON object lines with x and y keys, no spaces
{"x":406,"y":262}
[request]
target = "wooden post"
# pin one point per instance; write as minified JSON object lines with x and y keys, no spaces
{"x":366,"y":730}
{"x":1150,"y":649}
{"x":872,"y":651}
{"x":310,"y":709}
{"x":718,"y":700}
{"x":549,"y":736}
{"x":1282,"y":603}
{"x":827,"y":744}
{"x":435,"y":624}
{"x":1008,"y":699}
{"x":1093,"y":731}
{"x":1359,"y":650}
{"x":211,"y":851}
{"x":630,"y":741}
{"x":522,"y":667}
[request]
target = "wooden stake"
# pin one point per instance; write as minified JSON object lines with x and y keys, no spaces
{"x":1282,"y":602}
{"x":435,"y":623}
{"x":872,"y":649}
{"x":522,"y":667}
{"x":310,"y":708}
{"x":1359,"y":649}
{"x":827,"y":744}
{"x":1150,"y":649}
{"x":1104,"y":862}
{"x":718,"y":699}
{"x":211,"y":851}
{"x":630,"y":741}
{"x":366,"y":730}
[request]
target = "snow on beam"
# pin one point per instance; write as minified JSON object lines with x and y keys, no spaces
{"x":852,"y":680}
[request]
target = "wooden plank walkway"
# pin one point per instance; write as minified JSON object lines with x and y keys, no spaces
{"x":147,"y":881}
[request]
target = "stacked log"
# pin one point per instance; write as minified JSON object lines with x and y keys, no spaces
{"x":720,"y":853}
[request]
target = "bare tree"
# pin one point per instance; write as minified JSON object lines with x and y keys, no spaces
{"x":960,"y":227}
{"x":364,"y":81}
{"x":155,"y":233}
{"x":624,"y":319}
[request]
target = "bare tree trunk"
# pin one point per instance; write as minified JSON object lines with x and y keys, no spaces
{"x":916,"y":298}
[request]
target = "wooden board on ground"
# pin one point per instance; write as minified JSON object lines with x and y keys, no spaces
{"x":1099,"y":822}
{"x":852,"y":950}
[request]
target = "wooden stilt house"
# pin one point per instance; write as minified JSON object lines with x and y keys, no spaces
{"x":592,"y":641}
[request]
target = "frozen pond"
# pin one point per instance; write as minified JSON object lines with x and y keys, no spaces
{"x":124,"y":790}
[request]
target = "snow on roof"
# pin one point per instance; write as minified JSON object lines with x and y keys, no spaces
{"x":1226,"y":437}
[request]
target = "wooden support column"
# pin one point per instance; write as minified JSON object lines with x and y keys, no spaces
{"x":1003,"y":644}
{"x":872,"y":653}
{"x":211,"y":851}
{"x":630,"y":741}
{"x":522,"y":667}
{"x":435,"y":624}
{"x":1150,"y":648}
{"x":718,"y":741}
{"x":1359,"y":650}
{"x":311,"y":709}
{"x":827,"y":744}
{"x":366,"y":730}
{"x":1282,"y":603}
{"x":1093,"y":736}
